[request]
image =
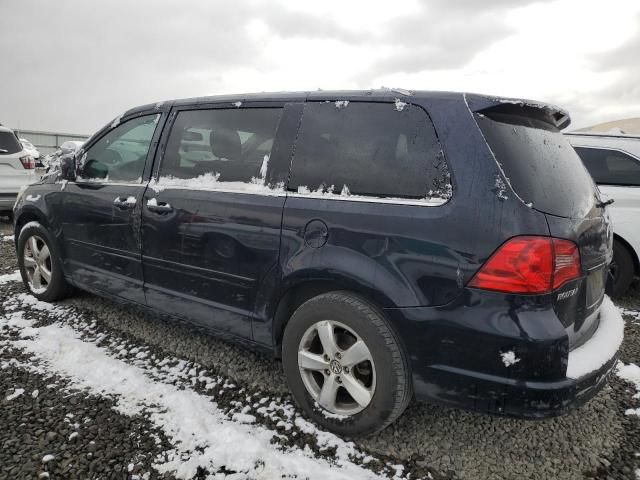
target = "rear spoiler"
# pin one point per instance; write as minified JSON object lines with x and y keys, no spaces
{"x":550,"y":114}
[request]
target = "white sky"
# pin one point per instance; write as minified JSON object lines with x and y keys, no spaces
{"x":74,"y":65}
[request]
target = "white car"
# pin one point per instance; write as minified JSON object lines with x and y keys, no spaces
{"x":30,"y":148}
{"x":17,"y":168}
{"x":614,"y":163}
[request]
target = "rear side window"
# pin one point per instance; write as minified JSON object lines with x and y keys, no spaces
{"x":213,"y":147}
{"x":610,"y":167}
{"x":369,"y":149}
{"x":9,"y":143}
{"x":541,"y":165}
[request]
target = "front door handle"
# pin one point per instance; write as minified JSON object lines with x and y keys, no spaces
{"x":124,"y":203}
{"x":159,"y":207}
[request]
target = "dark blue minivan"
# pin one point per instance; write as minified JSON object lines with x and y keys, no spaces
{"x":386,"y":244}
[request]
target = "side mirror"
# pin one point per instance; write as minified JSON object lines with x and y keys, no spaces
{"x":68,"y":167}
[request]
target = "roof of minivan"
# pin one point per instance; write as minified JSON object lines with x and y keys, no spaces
{"x":476,"y":102}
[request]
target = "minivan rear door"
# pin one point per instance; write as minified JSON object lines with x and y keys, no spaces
{"x":211,"y":218}
{"x":544,"y":170}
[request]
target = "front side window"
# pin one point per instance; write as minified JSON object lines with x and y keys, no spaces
{"x":220,"y":148}
{"x":366,"y":149}
{"x":610,"y":167}
{"x":120,"y":155}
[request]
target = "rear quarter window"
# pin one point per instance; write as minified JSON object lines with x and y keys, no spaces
{"x":379,"y":150}
{"x":9,"y":144}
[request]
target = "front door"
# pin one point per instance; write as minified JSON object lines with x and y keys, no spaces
{"x":101,"y":210}
{"x":211,"y":219}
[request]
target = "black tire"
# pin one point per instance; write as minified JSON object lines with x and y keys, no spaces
{"x":393,"y":387}
{"x":621,"y":271}
{"x":57,"y":288}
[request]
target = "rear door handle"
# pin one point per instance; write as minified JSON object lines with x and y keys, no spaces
{"x":123,"y":203}
{"x":159,"y":207}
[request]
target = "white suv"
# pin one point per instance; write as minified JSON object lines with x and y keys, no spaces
{"x":614,"y":164}
{"x":17,"y":168}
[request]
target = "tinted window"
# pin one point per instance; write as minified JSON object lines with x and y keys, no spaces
{"x":542,"y":167}
{"x":610,"y":167}
{"x":9,"y":143}
{"x":370,"y":149}
{"x":120,"y":155}
{"x":221,"y":145}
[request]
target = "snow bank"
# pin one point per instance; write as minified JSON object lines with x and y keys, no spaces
{"x":10,"y":277}
{"x":602,"y":346}
{"x":201,"y":433}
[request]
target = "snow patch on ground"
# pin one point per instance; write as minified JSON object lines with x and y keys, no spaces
{"x":202,"y":434}
{"x":631,"y":374}
{"x":16,"y":393}
{"x":7,"y":238}
{"x":10,"y":277}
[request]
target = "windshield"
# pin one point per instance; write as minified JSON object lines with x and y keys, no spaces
{"x":542,"y":167}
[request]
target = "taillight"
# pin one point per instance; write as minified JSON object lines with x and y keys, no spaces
{"x":28,"y":162}
{"x":530,"y":265}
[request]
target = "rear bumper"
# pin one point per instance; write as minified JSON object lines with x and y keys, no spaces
{"x":509,"y":397}
{"x":457,"y":357}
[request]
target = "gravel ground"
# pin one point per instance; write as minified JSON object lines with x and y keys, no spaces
{"x":597,"y":441}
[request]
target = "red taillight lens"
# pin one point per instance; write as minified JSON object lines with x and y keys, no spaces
{"x":567,"y":262}
{"x":530,"y":265}
{"x":28,"y":162}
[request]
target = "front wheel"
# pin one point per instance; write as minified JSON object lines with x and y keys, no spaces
{"x":40,"y":264}
{"x":344,"y":364}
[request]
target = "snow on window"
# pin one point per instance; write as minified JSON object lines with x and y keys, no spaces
{"x":265,"y":165}
{"x":342,"y":103}
{"x":116,"y":121}
{"x":209,"y":181}
{"x":400,"y":105}
{"x":237,"y":104}
{"x":509,"y":358}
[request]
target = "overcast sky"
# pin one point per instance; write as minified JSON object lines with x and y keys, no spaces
{"x":73,"y":65}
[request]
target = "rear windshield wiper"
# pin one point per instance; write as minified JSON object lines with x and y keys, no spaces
{"x":602,"y":204}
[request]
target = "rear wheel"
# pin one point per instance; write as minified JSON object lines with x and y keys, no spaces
{"x":344,"y":364}
{"x":621,"y":270}
{"x":40,"y":264}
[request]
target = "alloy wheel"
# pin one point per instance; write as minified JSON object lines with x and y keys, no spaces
{"x":37,"y":264}
{"x":337,"y":368}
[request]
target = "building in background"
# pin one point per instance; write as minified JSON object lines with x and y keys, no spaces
{"x":48,"y":142}
{"x":628,"y":126}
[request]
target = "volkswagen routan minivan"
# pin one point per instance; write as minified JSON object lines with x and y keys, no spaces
{"x":386,"y":245}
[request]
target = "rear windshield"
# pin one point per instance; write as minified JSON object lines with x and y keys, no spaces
{"x":9,"y":143}
{"x":542,"y":167}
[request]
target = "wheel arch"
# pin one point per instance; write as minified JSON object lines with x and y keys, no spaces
{"x":298,"y":291}
{"x":28,"y":215}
